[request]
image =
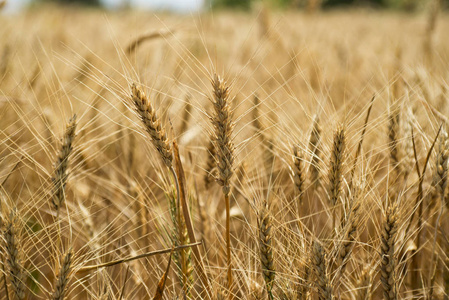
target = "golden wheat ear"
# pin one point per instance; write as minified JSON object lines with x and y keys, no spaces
{"x":298,"y":172}
{"x":152,"y":124}
{"x":224,"y":151}
{"x":387,"y":258}
{"x":319,"y":267}
{"x":315,"y":150}
{"x":210,"y":166}
{"x":336,"y":165}
{"x":63,"y":277}
{"x":62,"y":163}
{"x":266,"y":248}
{"x":223,"y":124}
{"x":394,"y":137}
{"x":440,"y":176}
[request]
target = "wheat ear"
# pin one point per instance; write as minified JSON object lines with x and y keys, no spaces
{"x":393,"y":136}
{"x":210,"y":165}
{"x":152,"y":124}
{"x":440,"y":177}
{"x":223,"y":124}
{"x":388,"y":263}
{"x":61,"y":165}
{"x":298,"y":172}
{"x":441,"y":183}
{"x":319,"y":267}
{"x":336,"y":166}
{"x":13,"y":253}
{"x":266,"y":248}
{"x":350,"y":234}
{"x":63,"y":277}
{"x":315,"y":150}
{"x":364,"y":284}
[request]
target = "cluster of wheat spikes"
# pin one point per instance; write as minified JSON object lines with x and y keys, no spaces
{"x":271,"y":155}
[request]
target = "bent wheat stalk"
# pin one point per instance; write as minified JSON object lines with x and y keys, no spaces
{"x":125,"y":260}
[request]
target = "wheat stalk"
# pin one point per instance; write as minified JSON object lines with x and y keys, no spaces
{"x":179,"y":237}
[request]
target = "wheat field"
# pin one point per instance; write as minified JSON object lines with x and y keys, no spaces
{"x":224,"y":155}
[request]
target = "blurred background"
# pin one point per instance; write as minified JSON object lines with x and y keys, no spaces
{"x":186,"y":6}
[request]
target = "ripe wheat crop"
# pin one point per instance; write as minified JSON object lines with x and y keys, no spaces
{"x":224,"y":155}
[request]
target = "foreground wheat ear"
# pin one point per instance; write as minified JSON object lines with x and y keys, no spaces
{"x":224,"y":151}
{"x":152,"y":124}
{"x":62,"y":163}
